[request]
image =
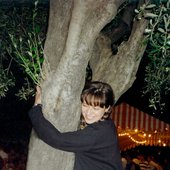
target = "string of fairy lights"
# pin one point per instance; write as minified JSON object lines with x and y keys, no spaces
{"x":141,"y":137}
{"x":132,"y":138}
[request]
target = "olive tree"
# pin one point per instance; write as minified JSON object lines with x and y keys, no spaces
{"x":102,"y":36}
{"x":75,"y":38}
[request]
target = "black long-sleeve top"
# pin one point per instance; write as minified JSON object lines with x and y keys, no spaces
{"x":95,"y":147}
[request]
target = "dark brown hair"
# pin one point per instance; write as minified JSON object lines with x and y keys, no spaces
{"x":98,"y":94}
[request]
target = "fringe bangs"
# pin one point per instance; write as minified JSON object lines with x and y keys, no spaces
{"x":94,"y":99}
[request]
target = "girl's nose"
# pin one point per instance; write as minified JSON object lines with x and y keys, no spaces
{"x":89,"y":110}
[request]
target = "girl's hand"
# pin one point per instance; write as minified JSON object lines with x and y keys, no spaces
{"x":37,"y":96}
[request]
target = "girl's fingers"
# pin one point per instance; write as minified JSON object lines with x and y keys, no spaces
{"x":38,"y":89}
{"x":38,"y":95}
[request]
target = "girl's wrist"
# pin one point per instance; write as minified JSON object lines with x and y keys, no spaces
{"x":37,"y":104}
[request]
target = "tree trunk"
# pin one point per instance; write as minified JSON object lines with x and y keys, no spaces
{"x":119,"y":70}
{"x":73,"y":29}
{"x":73,"y":40}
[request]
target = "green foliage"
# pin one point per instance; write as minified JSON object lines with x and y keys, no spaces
{"x":157,"y":77}
{"x":22,"y":36}
{"x":6,"y":81}
{"x":25,"y":90}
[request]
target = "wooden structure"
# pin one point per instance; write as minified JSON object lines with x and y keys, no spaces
{"x":138,"y":128}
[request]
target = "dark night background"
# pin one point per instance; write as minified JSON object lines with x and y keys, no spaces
{"x":15,"y":124}
{"x":134,"y":96}
{"x":14,"y":121}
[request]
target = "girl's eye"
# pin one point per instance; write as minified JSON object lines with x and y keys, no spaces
{"x":97,"y":108}
{"x":84,"y":105}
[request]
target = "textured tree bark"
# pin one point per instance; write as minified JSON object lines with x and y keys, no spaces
{"x":119,"y":70}
{"x":73,"y":28}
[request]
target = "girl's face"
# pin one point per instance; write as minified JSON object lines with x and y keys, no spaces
{"x":92,"y":114}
